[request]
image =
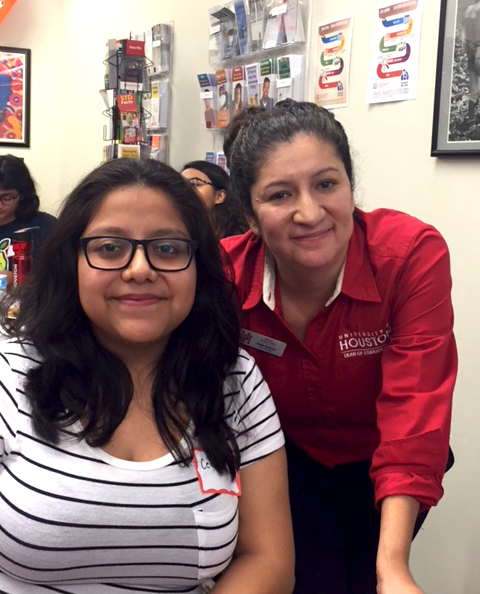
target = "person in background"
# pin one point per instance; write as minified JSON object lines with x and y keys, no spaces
{"x":349,"y":317}
{"x":19,"y":208}
{"x":212,"y":184}
{"x":139,"y":446}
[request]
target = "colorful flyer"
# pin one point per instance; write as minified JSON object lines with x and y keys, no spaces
{"x":332,"y":60}
{"x":393,"y":74}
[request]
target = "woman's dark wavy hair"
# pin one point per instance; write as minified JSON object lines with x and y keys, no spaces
{"x":78,"y":378}
{"x":252,"y":138}
{"x":227,"y":218}
{"x":14,"y":175}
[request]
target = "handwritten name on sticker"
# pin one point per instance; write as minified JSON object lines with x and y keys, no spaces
{"x":210,"y":480}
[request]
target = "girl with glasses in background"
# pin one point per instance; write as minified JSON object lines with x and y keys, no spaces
{"x":140,"y":447}
{"x":212,"y":184}
{"x":19,"y":208}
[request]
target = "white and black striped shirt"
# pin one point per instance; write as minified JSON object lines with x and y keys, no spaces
{"x":76,"y":520}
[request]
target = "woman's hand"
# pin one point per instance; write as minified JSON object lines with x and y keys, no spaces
{"x":398,"y":583}
{"x":398,"y":514}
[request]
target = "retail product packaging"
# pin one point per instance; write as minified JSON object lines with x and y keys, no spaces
{"x":242,"y":28}
{"x":290,"y":81}
{"x":208,"y":94}
{"x":267,"y":83}
{"x":238,"y":89}
{"x":257,"y":15}
{"x":252,"y":75}
{"x":223,"y":90}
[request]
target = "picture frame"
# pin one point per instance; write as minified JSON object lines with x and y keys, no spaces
{"x":456,"y":118}
{"x":15,"y":89}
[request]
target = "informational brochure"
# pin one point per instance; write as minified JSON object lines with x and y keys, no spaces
{"x":333,"y":49}
{"x":208,"y":95}
{"x":242,"y":27}
{"x":238,"y":89}
{"x":267,"y":83}
{"x":223,"y":97}
{"x":256,"y":17}
{"x":130,"y":131}
{"x":290,"y":77}
{"x":393,"y":74}
{"x":252,"y":74}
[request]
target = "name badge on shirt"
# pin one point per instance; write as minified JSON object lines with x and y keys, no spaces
{"x":210,"y":480}
{"x":262,"y":343}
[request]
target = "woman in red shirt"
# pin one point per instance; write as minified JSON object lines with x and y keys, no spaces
{"x":349,"y":317}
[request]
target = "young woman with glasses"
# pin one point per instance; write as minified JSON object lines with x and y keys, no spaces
{"x":19,"y":208}
{"x":140,"y":448}
{"x":212,"y":184}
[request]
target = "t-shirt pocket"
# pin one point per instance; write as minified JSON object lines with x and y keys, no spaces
{"x":217,"y":531}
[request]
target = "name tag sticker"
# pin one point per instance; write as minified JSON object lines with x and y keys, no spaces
{"x":210,"y":480}
{"x":262,"y":343}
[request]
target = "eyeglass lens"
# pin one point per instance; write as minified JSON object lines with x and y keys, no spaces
{"x":9,"y":197}
{"x":112,"y":253}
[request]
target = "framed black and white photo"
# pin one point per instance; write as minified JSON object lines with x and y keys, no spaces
{"x":456,"y":120}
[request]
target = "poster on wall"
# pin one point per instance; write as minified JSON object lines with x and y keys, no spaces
{"x":332,"y":62}
{"x":14,"y":97}
{"x":393,"y":73}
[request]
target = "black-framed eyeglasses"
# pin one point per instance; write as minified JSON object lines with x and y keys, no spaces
{"x":197,"y":182}
{"x":164,"y":254}
{"x":9,"y":197}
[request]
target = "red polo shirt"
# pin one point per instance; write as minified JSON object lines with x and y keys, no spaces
{"x":375,"y":375}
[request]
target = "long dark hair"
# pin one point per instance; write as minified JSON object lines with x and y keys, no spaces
{"x":227,"y":218}
{"x":14,"y":175}
{"x":78,"y":378}
{"x":251,"y":138}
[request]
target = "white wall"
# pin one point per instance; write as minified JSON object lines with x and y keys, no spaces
{"x":391,"y":145}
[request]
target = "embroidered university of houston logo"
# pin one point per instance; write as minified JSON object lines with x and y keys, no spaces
{"x":362,"y":342}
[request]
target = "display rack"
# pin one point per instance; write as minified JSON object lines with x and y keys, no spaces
{"x":137,"y":94}
{"x":257,"y":50}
